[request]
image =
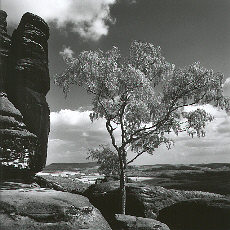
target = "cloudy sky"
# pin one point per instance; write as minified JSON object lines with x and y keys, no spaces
{"x":186,"y":30}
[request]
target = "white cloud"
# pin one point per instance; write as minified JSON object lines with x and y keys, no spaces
{"x":227,"y":82}
{"x":68,"y":117}
{"x":214,"y":147}
{"x":72,"y":133}
{"x":226,"y":87}
{"x":216,"y":112}
{"x":89,"y":18}
{"x":72,"y":120}
{"x":66,"y":53}
{"x":64,"y":151}
{"x":132,"y":1}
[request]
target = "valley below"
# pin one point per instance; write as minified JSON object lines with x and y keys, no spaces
{"x":212,"y":177}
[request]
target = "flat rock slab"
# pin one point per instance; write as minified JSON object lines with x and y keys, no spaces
{"x":38,"y":208}
{"x":127,"y":222}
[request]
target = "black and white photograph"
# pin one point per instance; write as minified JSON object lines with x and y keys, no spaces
{"x":115,"y":114}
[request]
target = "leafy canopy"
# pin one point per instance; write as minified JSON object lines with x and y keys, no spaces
{"x":143,"y":95}
{"x":106,"y":158}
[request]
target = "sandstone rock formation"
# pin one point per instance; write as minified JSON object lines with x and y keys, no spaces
{"x":126,"y":222}
{"x":199,"y":214}
{"x":28,"y":78}
{"x":142,"y":200}
{"x":24,"y":83}
{"x":65,"y":184}
{"x":5,"y":43}
{"x":28,"y":206}
{"x":18,"y":145}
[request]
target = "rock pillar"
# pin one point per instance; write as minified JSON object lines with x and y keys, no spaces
{"x":28,"y":79}
{"x":24,"y":83}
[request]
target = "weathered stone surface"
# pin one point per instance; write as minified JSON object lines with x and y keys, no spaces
{"x":66,"y":184}
{"x":142,"y":200}
{"x":28,"y":79}
{"x":29,"y":54}
{"x":31,"y":207}
{"x":18,"y":145}
{"x":199,"y":214}
{"x":126,"y":222}
{"x":5,"y":43}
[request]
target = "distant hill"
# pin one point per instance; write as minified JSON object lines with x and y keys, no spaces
{"x":69,"y":166}
{"x":161,"y":167}
{"x":212,"y":177}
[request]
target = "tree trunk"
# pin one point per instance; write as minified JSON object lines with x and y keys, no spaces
{"x":123,"y":190}
{"x":122,"y":160}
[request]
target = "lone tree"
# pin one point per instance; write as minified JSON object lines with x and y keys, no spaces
{"x":143,"y":96}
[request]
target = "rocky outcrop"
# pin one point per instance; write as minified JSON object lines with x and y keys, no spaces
{"x":66,"y":184}
{"x":5,"y":43}
{"x":199,"y":214}
{"x":142,"y":200}
{"x":28,"y":206}
{"x":24,"y":83}
{"x":18,"y":145}
{"x":28,"y":78}
{"x":126,"y":222}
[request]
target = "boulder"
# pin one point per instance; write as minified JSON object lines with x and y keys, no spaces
{"x":199,"y":214}
{"x":142,"y":200}
{"x":66,"y":184}
{"x":126,"y":222}
{"x":28,"y":82}
{"x":28,"y":206}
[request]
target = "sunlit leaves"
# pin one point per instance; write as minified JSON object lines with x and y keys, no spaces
{"x":148,"y":59}
{"x":143,"y":95}
{"x":106,"y":158}
{"x":197,"y":121}
{"x":194,"y":84}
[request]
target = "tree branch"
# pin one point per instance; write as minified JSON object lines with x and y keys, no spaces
{"x":171,"y":109}
{"x":135,"y":157}
{"x":121,"y":121}
{"x":110,"y":129}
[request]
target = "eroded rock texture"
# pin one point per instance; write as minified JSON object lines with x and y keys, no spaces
{"x":127,"y":222}
{"x":142,"y":200}
{"x":5,"y":43}
{"x":18,"y":145}
{"x":24,"y":83}
{"x":197,"y":214}
{"x":27,"y":206}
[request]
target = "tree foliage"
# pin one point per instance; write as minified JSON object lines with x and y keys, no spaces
{"x":106,"y":158}
{"x":143,"y":96}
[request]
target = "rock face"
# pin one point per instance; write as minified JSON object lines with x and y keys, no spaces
{"x":31,"y":207}
{"x":24,"y":84}
{"x":66,"y":184}
{"x":197,"y":214}
{"x":28,"y":78}
{"x":126,"y":222}
{"x":5,"y":44}
{"x":142,"y":200}
{"x":18,"y":145}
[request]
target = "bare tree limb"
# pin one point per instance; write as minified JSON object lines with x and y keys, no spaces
{"x":110,"y":131}
{"x":135,"y":157}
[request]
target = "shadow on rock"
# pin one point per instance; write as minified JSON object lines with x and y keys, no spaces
{"x":197,"y":214}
